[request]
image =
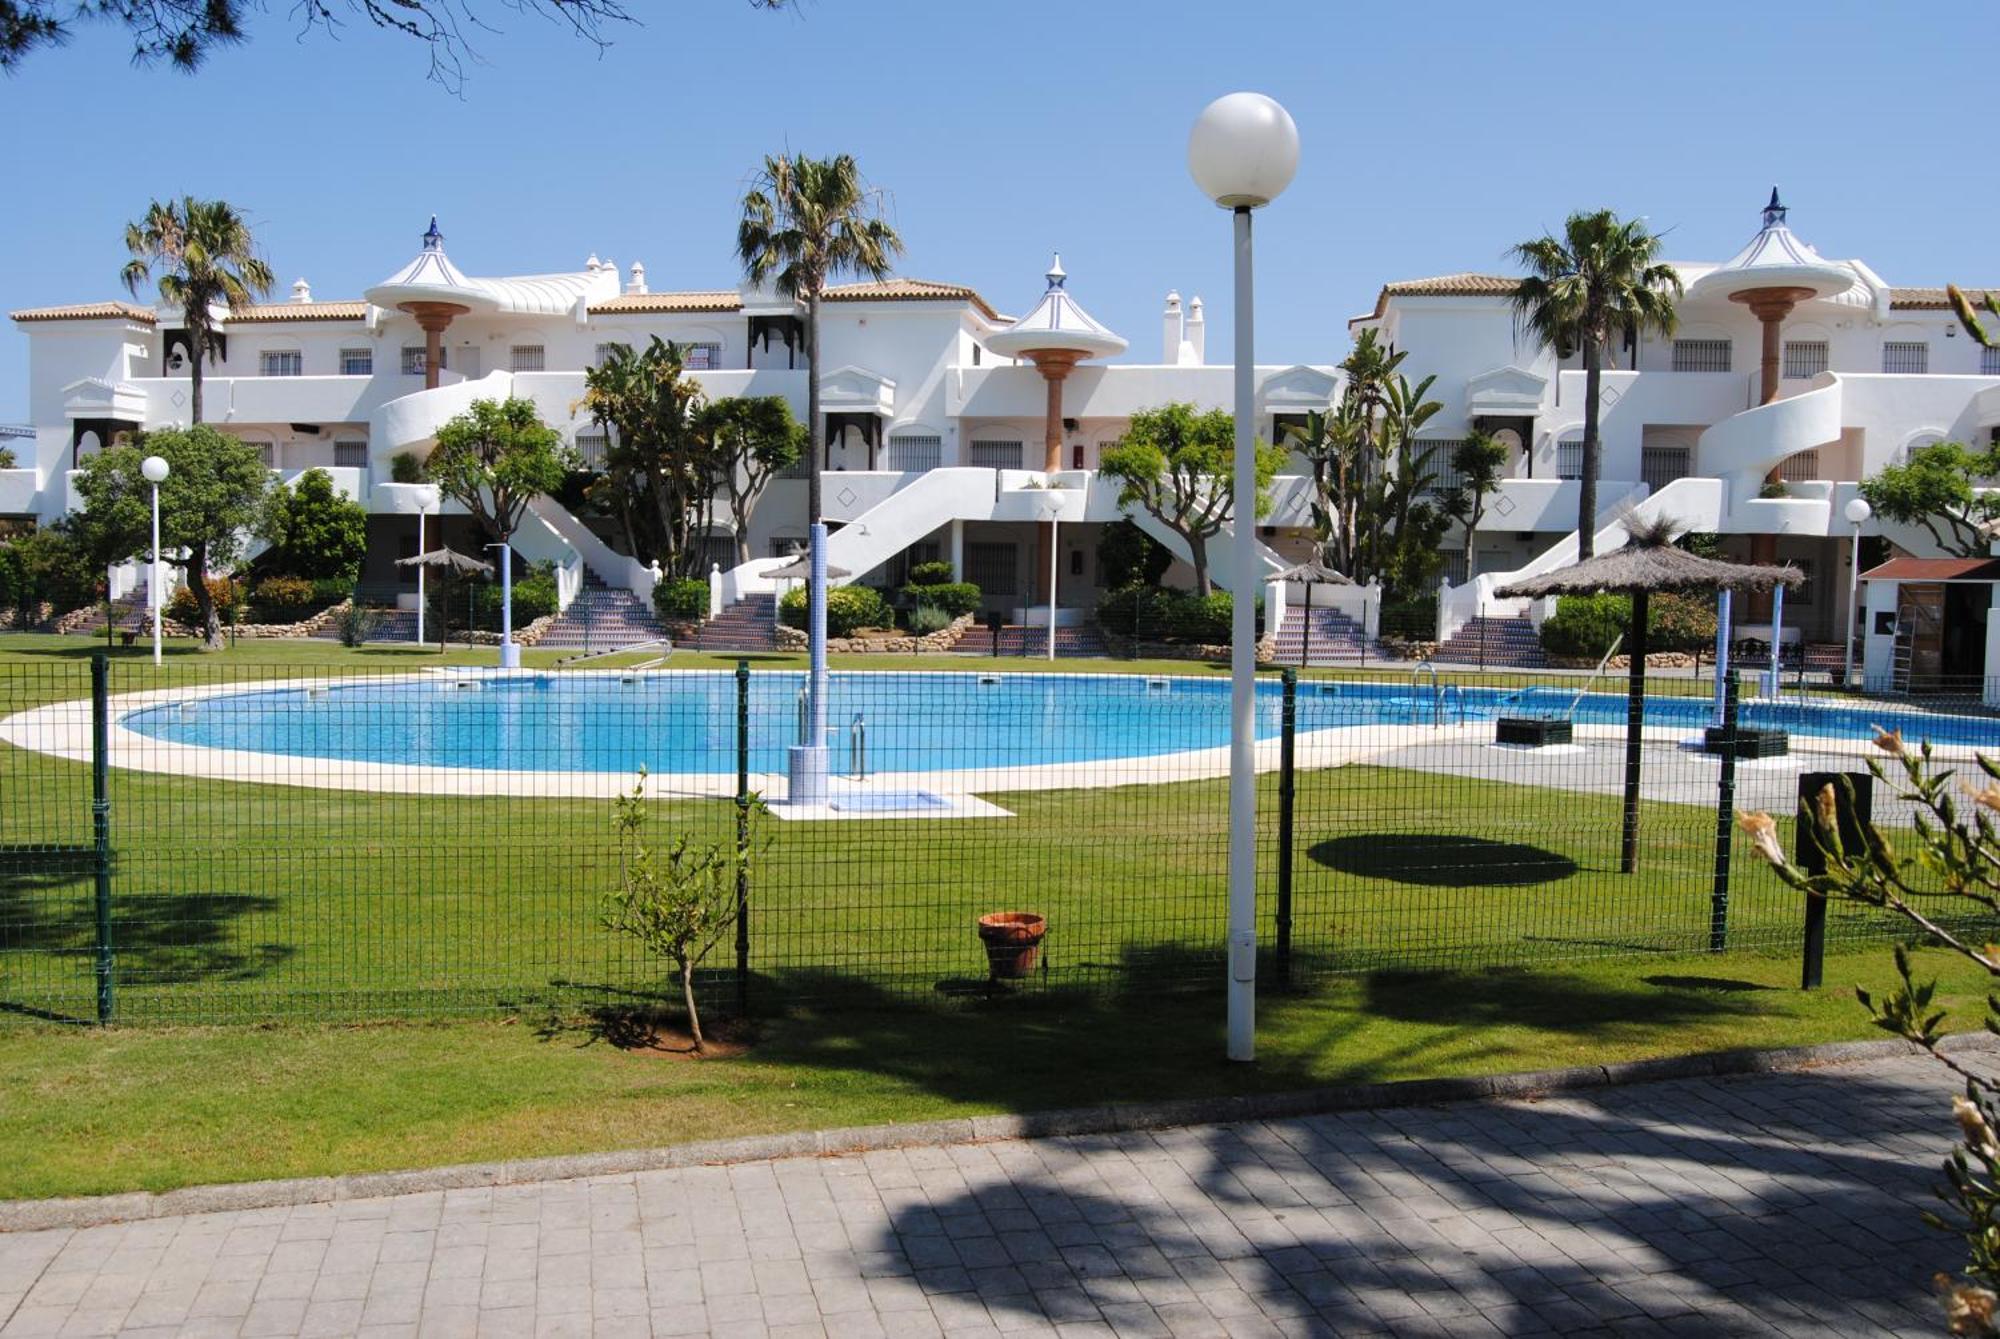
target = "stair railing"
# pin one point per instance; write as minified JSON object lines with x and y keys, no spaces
{"x":1595,"y":674}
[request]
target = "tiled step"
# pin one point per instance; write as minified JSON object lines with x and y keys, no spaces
{"x":1511,"y":643}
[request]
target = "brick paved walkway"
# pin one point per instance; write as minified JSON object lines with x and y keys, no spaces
{"x":1779,"y":1204}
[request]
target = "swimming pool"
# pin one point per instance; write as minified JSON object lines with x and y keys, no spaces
{"x":686,"y":721}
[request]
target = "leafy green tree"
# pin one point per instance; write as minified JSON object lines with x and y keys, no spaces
{"x":660,"y":476}
{"x":1128,"y":556}
{"x":1940,"y":487}
{"x":202,"y":256}
{"x":213,"y":495}
{"x":1601,"y":278}
{"x":751,"y":440}
{"x":807,"y":221}
{"x":1178,"y":463}
{"x":496,"y":458}
{"x":313,"y":530}
{"x":1479,"y":462}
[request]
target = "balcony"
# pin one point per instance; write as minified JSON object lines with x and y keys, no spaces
{"x":1544,"y":505}
{"x":229,"y":400}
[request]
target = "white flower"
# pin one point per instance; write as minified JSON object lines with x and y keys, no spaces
{"x":1762,"y":830}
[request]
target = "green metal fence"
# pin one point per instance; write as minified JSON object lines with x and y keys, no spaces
{"x":215,"y":843}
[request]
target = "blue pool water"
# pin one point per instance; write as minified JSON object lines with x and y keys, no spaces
{"x":686,"y":722}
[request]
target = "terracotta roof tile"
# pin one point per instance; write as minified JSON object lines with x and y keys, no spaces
{"x":910,"y":290}
{"x":707,"y":300}
{"x":300,"y":311}
{"x":1933,"y":299}
{"x":88,"y":311}
{"x":1441,"y":286}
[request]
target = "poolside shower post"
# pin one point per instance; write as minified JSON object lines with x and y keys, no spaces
{"x":1721,"y":647}
{"x":1777,"y":638}
{"x":1242,"y":153}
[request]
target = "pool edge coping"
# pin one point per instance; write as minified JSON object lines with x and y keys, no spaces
{"x":1114,"y":1118}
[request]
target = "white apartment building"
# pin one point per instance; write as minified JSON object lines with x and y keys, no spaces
{"x":937,"y":445}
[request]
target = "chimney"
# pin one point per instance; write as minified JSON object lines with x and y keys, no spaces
{"x":1170,"y":329}
{"x":592,"y":264}
{"x":1197,"y":335}
{"x":301,"y":291}
{"x":638,"y":284}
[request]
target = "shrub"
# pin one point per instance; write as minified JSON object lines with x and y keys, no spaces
{"x":405,"y":468}
{"x":1167,"y":615}
{"x":228,"y":597}
{"x":1679,"y":623}
{"x":931,"y":574}
{"x":1585,"y":626}
{"x":683,"y":599}
{"x":928,"y":618}
{"x":847,"y":608}
{"x":535,"y":596}
{"x":8,"y":460}
{"x":57,"y":569}
{"x":1128,"y":556}
{"x":954,"y":597}
{"x":1415,"y":618}
{"x":331,"y":590}
{"x":313,"y":529}
{"x":282,"y":599}
{"x":354,"y":625}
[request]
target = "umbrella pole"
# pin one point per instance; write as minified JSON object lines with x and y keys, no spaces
{"x":1635,"y":715}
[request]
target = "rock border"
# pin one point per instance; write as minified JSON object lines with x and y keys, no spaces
{"x":94,"y":1211}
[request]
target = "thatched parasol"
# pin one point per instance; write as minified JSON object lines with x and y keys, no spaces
{"x":1647,"y":563}
{"x":800,"y":569}
{"x":449,"y":559}
{"x":1312,"y":571}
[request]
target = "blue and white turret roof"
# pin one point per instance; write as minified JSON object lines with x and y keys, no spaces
{"x":1775,"y":258}
{"x":1057,"y":323}
{"x":431,"y":277}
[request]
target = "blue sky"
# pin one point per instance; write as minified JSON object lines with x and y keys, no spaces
{"x":1434,"y":135}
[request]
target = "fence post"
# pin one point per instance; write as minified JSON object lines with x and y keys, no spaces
{"x":100,"y":823}
{"x":1854,"y":803}
{"x":1725,"y":822}
{"x":1287,"y":795}
{"x":742,"y":838}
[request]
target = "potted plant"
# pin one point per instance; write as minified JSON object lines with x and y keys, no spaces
{"x":1013,"y":941}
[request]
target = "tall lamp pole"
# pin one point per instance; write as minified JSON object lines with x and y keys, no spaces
{"x":1857,"y":512}
{"x":1243,"y":152}
{"x":156,"y":470}
{"x":1054,"y":509}
{"x":510,"y":654}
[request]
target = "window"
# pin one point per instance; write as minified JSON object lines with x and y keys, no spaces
{"x":1701,"y":355}
{"x":351,"y":455}
{"x":281,"y":363}
{"x":1661,"y":465}
{"x":975,"y":355}
{"x":701,"y":357}
{"x":1989,"y":362}
{"x":914,"y":453}
{"x":413,"y":360}
{"x":591,"y":446}
{"x":1801,"y":597}
{"x":1445,"y":477}
{"x":601,"y":355}
{"x":1569,"y":459}
{"x":1906,"y":356}
{"x":1076,"y":562}
{"x":1281,"y":422}
{"x":266,"y":452}
{"x":357,"y":363}
{"x":526,"y":358}
{"x":994,"y":568}
{"x":994,"y":455}
{"x":1076,"y":456}
{"x":1800,"y":467}
{"x":1804,"y":358}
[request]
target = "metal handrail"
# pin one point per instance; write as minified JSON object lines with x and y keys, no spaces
{"x":1595,"y":674}
{"x":1437,"y":692}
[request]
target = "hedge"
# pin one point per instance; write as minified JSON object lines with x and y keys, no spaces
{"x":682,"y":599}
{"x":847,"y":608}
{"x":1584,"y":626}
{"x":1167,"y":615}
{"x":282,"y":599}
{"x":954,"y":597}
{"x":931,"y":574}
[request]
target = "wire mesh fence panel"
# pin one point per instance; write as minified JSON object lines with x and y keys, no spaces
{"x":362,"y":842}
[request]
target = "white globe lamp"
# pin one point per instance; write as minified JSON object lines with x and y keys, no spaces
{"x":156,"y":470}
{"x":1243,"y":151}
{"x":1858,"y":511}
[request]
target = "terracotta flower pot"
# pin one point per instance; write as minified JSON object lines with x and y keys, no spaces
{"x":1013,"y":941}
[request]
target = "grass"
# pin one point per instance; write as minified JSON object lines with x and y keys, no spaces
{"x":91,"y":1112}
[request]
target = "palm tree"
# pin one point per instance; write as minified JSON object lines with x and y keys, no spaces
{"x":205,"y":257}
{"x":1601,"y":278}
{"x":805,"y":221}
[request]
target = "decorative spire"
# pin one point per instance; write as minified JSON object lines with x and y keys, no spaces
{"x":1056,"y":274}
{"x":433,"y":239}
{"x":1774,"y":213}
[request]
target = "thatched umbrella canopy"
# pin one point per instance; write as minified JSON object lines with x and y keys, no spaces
{"x":449,"y":559}
{"x":1312,"y":571}
{"x":1648,"y":563}
{"x":799,"y":569}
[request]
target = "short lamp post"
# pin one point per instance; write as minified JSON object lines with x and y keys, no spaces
{"x":1857,"y":512}
{"x":156,"y":470}
{"x":1243,"y":152}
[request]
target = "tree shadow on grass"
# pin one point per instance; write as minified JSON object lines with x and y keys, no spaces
{"x":1442,"y":860}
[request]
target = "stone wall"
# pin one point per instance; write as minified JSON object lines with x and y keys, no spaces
{"x":794,"y":639}
{"x":1131,"y":648}
{"x":524,"y":636}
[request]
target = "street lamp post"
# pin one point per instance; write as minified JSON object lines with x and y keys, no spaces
{"x":1242,"y":153}
{"x":156,"y":470}
{"x":1053,"y":508}
{"x":510,"y":654}
{"x":1857,"y":512}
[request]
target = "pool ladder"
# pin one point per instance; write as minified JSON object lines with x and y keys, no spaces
{"x":1442,"y":694}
